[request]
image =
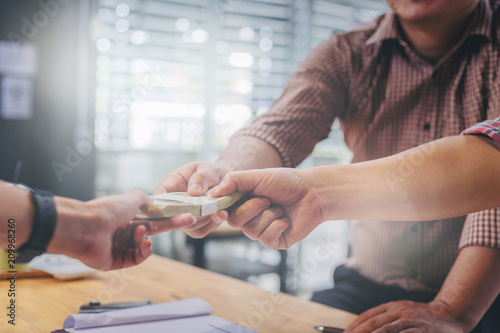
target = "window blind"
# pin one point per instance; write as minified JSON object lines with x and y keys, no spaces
{"x":184,"y":75}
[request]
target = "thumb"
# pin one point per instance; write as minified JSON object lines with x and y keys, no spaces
{"x":203,"y":178}
{"x":244,"y":181}
{"x":137,"y":198}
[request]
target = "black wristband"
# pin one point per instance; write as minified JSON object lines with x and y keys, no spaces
{"x":44,"y":224}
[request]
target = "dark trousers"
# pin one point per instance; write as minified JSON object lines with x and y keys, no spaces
{"x":355,"y":293}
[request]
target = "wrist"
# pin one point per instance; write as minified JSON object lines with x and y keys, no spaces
{"x":447,"y":304}
{"x":441,"y":309}
{"x":248,"y":152}
{"x":42,"y":228}
{"x":75,"y":229}
{"x":327,"y":182}
{"x":25,"y":213}
{"x":320,"y":183}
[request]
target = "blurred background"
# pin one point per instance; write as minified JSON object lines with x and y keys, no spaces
{"x":104,"y":96}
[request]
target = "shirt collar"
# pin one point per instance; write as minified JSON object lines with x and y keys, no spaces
{"x":480,"y":23}
{"x":387,"y":29}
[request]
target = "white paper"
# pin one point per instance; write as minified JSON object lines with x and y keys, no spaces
{"x":186,"y":316}
{"x":61,"y":266}
{"x":201,"y":324}
{"x":185,"y":308}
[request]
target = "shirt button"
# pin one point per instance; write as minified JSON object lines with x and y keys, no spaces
{"x":427,"y":127}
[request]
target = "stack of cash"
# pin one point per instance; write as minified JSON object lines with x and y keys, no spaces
{"x":170,"y":204}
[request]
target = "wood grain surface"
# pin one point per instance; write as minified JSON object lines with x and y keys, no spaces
{"x":43,"y":303}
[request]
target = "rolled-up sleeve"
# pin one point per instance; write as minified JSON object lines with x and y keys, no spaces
{"x":483,"y":228}
{"x":489,"y":128}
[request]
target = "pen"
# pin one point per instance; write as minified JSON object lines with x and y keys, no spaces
{"x":327,"y":329}
{"x":97,"y":307}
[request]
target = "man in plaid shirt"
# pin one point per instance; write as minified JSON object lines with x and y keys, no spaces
{"x":308,"y":197}
{"x":426,"y":70}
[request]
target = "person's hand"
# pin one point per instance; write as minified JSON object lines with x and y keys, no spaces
{"x":285,"y":205}
{"x":408,"y":317}
{"x":196,"y":178}
{"x":102,"y":234}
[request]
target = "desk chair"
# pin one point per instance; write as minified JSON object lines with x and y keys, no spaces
{"x":237,"y":267}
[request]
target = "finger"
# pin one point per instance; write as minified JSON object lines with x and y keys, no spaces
{"x":177,"y":180}
{"x":142,"y":250}
{"x":397,"y":326}
{"x":137,"y":198}
{"x":237,"y":181}
{"x":124,"y":246}
{"x":139,"y":235}
{"x":129,"y":205}
{"x":204,"y":178}
{"x":200,"y":223}
{"x":247,"y":211}
{"x":365,"y":316}
{"x":202,"y":232}
{"x":175,"y":222}
{"x":272,"y":237}
{"x":257,"y":225}
{"x":142,"y":245}
{"x":145,"y":250}
{"x":412,"y":330}
{"x":214,"y":220}
{"x":375,"y":322}
{"x":283,"y":243}
{"x":220,"y":217}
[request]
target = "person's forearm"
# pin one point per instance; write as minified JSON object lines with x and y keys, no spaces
{"x":69,"y":236}
{"x":441,"y":179}
{"x":15,"y":205}
{"x":472,"y":285}
{"x":75,"y":227}
{"x":246,"y":152}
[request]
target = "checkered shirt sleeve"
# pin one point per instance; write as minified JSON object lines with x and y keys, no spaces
{"x":490,"y":128}
{"x":483,"y":228}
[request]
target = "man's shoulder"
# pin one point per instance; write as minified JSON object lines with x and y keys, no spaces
{"x":345,"y":53}
{"x":356,"y":39}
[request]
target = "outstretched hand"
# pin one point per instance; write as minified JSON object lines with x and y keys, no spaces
{"x":102,"y":233}
{"x":284,"y":206}
{"x":196,"y":178}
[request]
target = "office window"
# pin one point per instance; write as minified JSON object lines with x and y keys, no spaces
{"x":179,"y":77}
{"x":176,"y":78}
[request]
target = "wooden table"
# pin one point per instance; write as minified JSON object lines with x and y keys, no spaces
{"x":43,"y":303}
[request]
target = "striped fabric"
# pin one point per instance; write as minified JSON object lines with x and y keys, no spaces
{"x":483,"y":228}
{"x":388,"y":99}
{"x":490,"y":128}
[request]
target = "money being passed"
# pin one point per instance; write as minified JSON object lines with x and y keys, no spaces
{"x":170,"y":204}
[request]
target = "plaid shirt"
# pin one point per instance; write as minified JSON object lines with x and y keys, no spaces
{"x":388,"y":99}
{"x":483,"y":228}
{"x":490,"y":128}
